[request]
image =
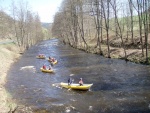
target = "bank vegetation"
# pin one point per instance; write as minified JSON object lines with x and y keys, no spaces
{"x":19,"y":29}
{"x":112,"y":28}
{"x":21,"y":25}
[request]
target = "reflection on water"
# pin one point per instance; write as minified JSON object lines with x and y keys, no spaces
{"x":119,"y":87}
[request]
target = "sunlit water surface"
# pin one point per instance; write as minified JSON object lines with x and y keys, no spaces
{"x":119,"y":87}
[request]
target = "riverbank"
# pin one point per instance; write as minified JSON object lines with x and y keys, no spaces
{"x":133,"y":55}
{"x":9,"y":53}
{"x":133,"y":50}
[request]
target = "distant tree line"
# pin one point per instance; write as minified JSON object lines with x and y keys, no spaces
{"x":82,"y":23}
{"x":22,"y":25}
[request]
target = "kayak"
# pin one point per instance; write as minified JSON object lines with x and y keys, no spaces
{"x":55,"y":62}
{"x":40,"y":57}
{"x":76,"y":86}
{"x":46,"y":70}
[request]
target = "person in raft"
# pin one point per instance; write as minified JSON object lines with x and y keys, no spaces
{"x":69,"y":81}
{"x":53,"y":59}
{"x":44,"y":66}
{"x":39,"y":55}
{"x":81,"y":82}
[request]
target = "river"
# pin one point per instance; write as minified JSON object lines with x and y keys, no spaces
{"x":118,"y":86}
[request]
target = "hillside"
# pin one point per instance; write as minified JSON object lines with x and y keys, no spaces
{"x":46,"y":25}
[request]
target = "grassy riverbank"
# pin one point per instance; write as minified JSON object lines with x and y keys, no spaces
{"x":9,"y":53}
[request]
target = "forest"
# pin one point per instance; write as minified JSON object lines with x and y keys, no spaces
{"x":112,"y":28}
{"x":106,"y":27}
{"x":22,"y":25}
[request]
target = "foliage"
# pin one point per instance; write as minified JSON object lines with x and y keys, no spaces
{"x":92,"y":23}
{"x":24,"y":26}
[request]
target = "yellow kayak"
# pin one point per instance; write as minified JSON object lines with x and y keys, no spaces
{"x":55,"y":62}
{"x":76,"y":86}
{"x":46,"y":70}
{"x":41,"y":57}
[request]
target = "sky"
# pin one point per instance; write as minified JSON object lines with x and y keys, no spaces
{"x":45,"y":8}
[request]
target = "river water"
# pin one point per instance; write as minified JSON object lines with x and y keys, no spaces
{"x":118,"y":87}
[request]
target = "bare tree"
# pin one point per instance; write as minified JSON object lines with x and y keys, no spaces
{"x":106,"y":6}
{"x":98,"y":21}
{"x":145,"y":22}
{"x":103,"y":20}
{"x":119,"y":27}
{"x":139,"y":11}
{"x":81,"y":19}
{"x":131,"y":12}
{"x":27,"y":26}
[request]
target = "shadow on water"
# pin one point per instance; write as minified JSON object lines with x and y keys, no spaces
{"x":118,"y":87}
